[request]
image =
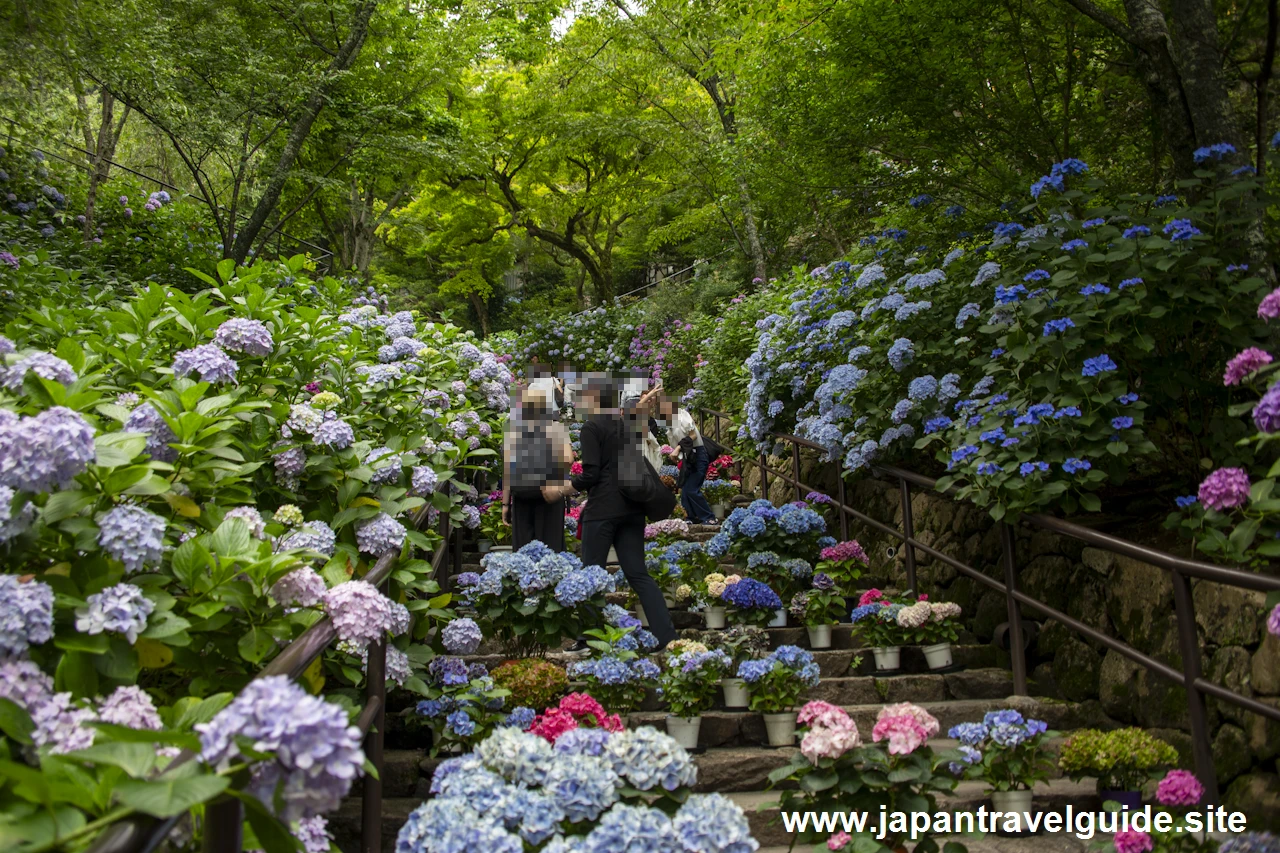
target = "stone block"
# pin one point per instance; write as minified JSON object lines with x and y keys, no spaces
{"x":1228,"y":616}
{"x":1076,"y":670}
{"x":1180,"y":741}
{"x":1264,"y":669}
{"x":1230,"y":753}
{"x":1098,"y":561}
{"x":1230,"y":668}
{"x":1258,"y":796}
{"x":1118,"y":687}
{"x":1140,"y":603}
{"x":1263,"y":733}
{"x":1046,"y":578}
{"x":979,"y":684}
{"x":1052,"y":635}
{"x":990,"y":611}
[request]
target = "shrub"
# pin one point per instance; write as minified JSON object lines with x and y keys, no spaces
{"x":533,"y":682}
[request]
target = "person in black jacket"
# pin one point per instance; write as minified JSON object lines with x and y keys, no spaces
{"x":693,"y":473}
{"x":609,"y":518}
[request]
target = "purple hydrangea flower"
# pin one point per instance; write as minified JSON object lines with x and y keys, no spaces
{"x":317,"y":751}
{"x":300,"y":588}
{"x":1225,"y":489}
{"x":208,"y":361}
{"x":314,"y":536}
{"x":290,"y":465}
{"x":335,"y":433}
{"x":425,"y":480}
{"x":359,"y":612}
{"x":1266,"y":414}
{"x":61,"y":725}
{"x":122,"y":608}
{"x":1273,"y":621}
{"x":250,"y":337}
{"x":26,"y":614}
{"x":398,"y":668}
{"x":462,"y":637}
{"x":380,"y":534}
{"x":24,"y":684}
{"x":42,"y":364}
{"x":386,"y":465}
{"x":40,"y":453}
{"x":251,"y":518}
{"x":131,"y":707}
{"x":146,"y":420}
{"x":133,"y":536}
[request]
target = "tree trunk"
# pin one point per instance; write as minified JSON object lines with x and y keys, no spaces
{"x":749,"y":226}
{"x":482,"y":313}
{"x":342,"y":61}
{"x":100,"y":152}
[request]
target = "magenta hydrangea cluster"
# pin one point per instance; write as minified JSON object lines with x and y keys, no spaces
{"x":250,"y":337}
{"x":44,"y":452}
{"x":1225,"y":488}
{"x":1179,"y":788}
{"x":361,"y":614}
{"x":316,"y":750}
{"x":133,"y":536}
{"x":1243,"y":364}
{"x":208,"y":362}
{"x":380,"y":534}
{"x":26,"y":615}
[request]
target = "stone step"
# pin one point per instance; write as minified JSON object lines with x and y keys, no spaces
{"x":745,"y":728}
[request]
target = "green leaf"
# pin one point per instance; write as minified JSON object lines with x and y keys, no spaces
{"x":256,"y":644}
{"x":1090,"y":502}
{"x":273,"y":835}
{"x":231,"y":539}
{"x":15,"y":722}
{"x":115,"y":449}
{"x":136,"y":759}
{"x":65,"y":504}
{"x":169,"y":797}
{"x":72,"y":353}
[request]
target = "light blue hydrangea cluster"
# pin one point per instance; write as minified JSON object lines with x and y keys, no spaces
{"x":386,"y":465}
{"x":147,"y":420}
{"x":314,"y":535}
{"x":42,"y":364}
{"x":26,"y":615}
{"x":243,"y":335}
{"x":208,"y":362}
{"x":462,"y":637}
{"x":299,"y":588}
{"x":121,"y":608}
{"x":44,"y":452}
{"x":380,"y":534}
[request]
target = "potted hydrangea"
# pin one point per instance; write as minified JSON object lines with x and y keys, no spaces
{"x":708,"y":592}
{"x":843,"y":563}
{"x":575,"y":711}
{"x":819,"y":608}
{"x":1122,"y":761}
{"x":462,"y":706}
{"x":740,"y":643}
{"x":719,"y":493}
{"x":1007,"y":752}
{"x":775,"y":684}
{"x":940,"y":632}
{"x":751,"y":602}
{"x":875,"y":619}
{"x":493,"y":530}
{"x":688,"y":684}
{"x":617,"y":675}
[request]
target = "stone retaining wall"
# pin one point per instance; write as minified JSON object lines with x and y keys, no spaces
{"x":1121,"y":597}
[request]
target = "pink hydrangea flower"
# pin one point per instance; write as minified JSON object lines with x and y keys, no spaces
{"x":842,"y":551}
{"x":1179,"y":788}
{"x":871,"y":596}
{"x":582,"y":705}
{"x":1273,"y":621}
{"x":840,"y":839}
{"x":926,"y":720}
{"x":1269,"y":307}
{"x":1246,"y":362}
{"x":830,"y":742}
{"x":552,"y":724}
{"x":1133,"y":841}
{"x":903,"y":732}
{"x":575,"y":468}
{"x":1225,"y":488}
{"x":819,"y":713}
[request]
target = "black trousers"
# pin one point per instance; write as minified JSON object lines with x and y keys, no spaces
{"x":626,"y":535}
{"x":535,"y":518}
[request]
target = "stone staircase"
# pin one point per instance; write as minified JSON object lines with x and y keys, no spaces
{"x":736,"y":761}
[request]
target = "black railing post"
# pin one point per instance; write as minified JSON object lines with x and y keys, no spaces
{"x":844,"y":519}
{"x":764,"y":475}
{"x":1017,"y":645}
{"x":224,"y":826}
{"x":795,"y":469}
{"x":909,"y":532}
{"x":1189,"y":646}
{"x":371,"y":799}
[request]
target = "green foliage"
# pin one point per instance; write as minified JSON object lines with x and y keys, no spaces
{"x":1121,"y":760}
{"x":533,"y":682}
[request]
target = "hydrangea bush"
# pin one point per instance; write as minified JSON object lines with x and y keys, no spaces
{"x":1038,"y":361}
{"x":1005,"y":750}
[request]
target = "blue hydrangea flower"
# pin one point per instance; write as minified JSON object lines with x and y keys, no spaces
{"x":121,"y":608}
{"x":250,"y":337}
{"x":1073,"y":245}
{"x":1122,"y":422}
{"x":1074,"y":465}
{"x":1213,"y":152}
{"x":26,"y":615}
{"x":42,"y":364}
{"x":901,"y":354}
{"x":936,"y":424}
{"x":969,"y":734}
{"x":380,"y":534}
{"x":335,"y":433}
{"x":1027,"y":468}
{"x":133,"y":536}
{"x":1094,"y":289}
{"x":1098,"y":364}
{"x":1179,"y":230}
{"x":44,"y":452}
{"x":208,"y":361}
{"x":1186,"y":501}
{"x":1060,"y":325}
{"x":1136,"y":231}
{"x":988,"y":468}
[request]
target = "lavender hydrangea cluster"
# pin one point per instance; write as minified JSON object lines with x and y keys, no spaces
{"x":208,"y":362}
{"x":121,"y":608}
{"x":147,"y":420}
{"x":751,"y":594}
{"x":26,"y":615}
{"x":132,"y":707}
{"x":462,"y":637}
{"x":44,"y":452}
{"x":612,"y":670}
{"x":316,"y":750}
{"x":133,"y":536}
{"x":300,"y":588}
{"x":251,"y":518}
{"x":386,"y":465}
{"x":380,"y":534}
{"x":312,"y":536}
{"x":360,"y":613}
{"x":250,"y":337}
{"x":42,"y":364}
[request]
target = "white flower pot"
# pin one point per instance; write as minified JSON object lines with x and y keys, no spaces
{"x":612,"y":559}
{"x":714,"y":617}
{"x":888,"y":658}
{"x":735,"y":693}
{"x":497,"y":548}
{"x":781,"y":728}
{"x":644,"y":620}
{"x":685,"y":730}
{"x":719,"y":511}
{"x":483,"y":545}
{"x":938,"y":656}
{"x":819,"y":636}
{"x":1018,"y":802}
{"x":779,"y":619}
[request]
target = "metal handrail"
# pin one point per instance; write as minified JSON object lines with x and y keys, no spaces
{"x":1180,"y":569}
{"x":224,"y":817}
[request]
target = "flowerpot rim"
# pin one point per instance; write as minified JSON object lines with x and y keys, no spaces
{"x":688,"y":721}
{"x":886,"y":648}
{"x":947,"y":644}
{"x":780,"y":715}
